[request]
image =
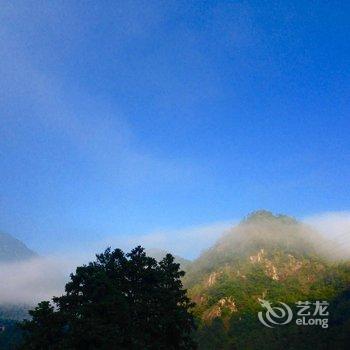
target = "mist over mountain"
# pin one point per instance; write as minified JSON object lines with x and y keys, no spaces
{"x":12,"y":252}
{"x":12,"y":249}
{"x":265,"y":231}
{"x":159,"y":254}
{"x":267,"y":257}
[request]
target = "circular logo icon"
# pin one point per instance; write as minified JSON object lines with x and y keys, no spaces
{"x":274,"y":315}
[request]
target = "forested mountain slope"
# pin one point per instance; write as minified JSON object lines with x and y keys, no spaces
{"x":273,"y":258}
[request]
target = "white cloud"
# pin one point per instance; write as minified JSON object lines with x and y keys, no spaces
{"x":41,"y":278}
{"x":94,"y":127}
{"x":334,"y":226}
{"x":31,"y":281}
{"x":186,"y":242}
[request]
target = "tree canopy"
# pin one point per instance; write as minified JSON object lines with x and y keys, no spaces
{"x":119,"y":301}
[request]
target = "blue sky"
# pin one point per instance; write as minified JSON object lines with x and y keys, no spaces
{"x":125,"y":118}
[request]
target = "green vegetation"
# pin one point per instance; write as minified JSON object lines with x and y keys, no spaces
{"x":133,"y":301}
{"x":10,"y":335}
{"x":275,"y":258}
{"x":120,"y":301}
{"x":14,"y":312}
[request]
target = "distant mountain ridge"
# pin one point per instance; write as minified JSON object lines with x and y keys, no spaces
{"x":12,"y":249}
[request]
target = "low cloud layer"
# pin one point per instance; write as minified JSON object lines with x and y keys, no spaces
{"x":43,"y":277}
{"x":335,"y":226}
{"x":31,"y":281}
{"x":187,"y":242}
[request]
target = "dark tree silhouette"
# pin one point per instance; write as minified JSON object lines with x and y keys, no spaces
{"x":120,"y":301}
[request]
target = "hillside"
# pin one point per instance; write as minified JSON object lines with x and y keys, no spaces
{"x":12,"y":249}
{"x":266,"y":257}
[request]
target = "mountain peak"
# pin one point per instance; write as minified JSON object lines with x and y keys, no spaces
{"x":261,"y":232}
{"x":261,"y":216}
{"x":12,"y":249}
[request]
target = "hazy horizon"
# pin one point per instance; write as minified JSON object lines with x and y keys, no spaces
{"x":28,"y":282}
